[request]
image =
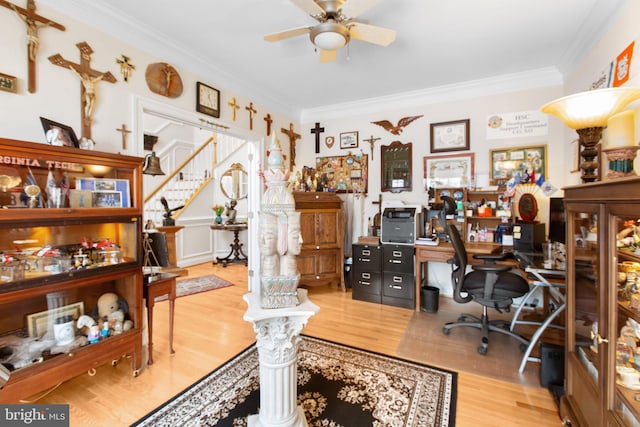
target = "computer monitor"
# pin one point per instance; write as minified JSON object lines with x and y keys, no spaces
{"x":557,"y":221}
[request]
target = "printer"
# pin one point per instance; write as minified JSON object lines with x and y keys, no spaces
{"x":401,"y":224}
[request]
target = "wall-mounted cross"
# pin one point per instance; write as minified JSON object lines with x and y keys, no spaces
{"x":33,"y":21}
{"x":292,"y":143}
{"x":88,"y":79}
{"x":269,"y":120}
{"x":234,"y":107}
{"x":317,"y":130}
{"x":123,"y":129}
{"x":251,"y":111}
{"x":371,"y":142}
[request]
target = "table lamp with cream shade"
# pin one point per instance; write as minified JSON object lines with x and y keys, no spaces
{"x":588,"y":113}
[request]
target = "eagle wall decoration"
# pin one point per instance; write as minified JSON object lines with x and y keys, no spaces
{"x":397,"y":129}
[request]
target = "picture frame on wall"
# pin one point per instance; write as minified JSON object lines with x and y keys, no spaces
{"x":208,"y":100}
{"x":455,"y":170}
{"x":450,"y":136}
{"x":349,"y":139}
{"x":529,"y":163}
{"x":59,"y":134}
{"x":8,"y":83}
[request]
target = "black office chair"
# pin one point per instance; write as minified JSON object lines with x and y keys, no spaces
{"x":489,"y":284}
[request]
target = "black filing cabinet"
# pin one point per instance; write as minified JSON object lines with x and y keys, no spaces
{"x":398,"y":280}
{"x":367,"y":273}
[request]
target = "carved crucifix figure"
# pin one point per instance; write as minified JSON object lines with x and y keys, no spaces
{"x":88,"y":79}
{"x":371,"y":142}
{"x":234,"y":107}
{"x":317,"y":130}
{"x":292,"y":143}
{"x":269,"y":120}
{"x":33,"y":21}
{"x":251,"y":111}
{"x":123,"y":129}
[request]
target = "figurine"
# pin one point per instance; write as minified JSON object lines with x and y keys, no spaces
{"x":168,"y":220}
{"x":231,"y":212}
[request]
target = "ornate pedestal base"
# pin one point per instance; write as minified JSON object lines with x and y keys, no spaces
{"x":277,"y":332}
{"x":621,"y":161}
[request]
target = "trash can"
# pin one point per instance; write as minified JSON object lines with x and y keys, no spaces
{"x":429,"y":296}
{"x":347,"y":272}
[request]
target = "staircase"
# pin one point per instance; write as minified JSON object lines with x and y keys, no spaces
{"x":184,"y":184}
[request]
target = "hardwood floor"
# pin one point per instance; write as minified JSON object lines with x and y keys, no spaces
{"x":209,"y":330}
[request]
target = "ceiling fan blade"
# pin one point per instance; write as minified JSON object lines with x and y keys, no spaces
{"x":327,"y":55}
{"x":372,"y":34}
{"x":353,"y":8}
{"x":281,"y":35}
{"x":309,"y":6}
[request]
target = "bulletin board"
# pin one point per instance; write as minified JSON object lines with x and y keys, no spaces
{"x":529,"y":162}
{"x":344,"y":174}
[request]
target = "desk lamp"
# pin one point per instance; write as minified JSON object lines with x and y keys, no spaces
{"x":587,"y":113}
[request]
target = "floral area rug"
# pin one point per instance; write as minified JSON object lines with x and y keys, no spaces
{"x":337,"y":386}
{"x":196,"y":285}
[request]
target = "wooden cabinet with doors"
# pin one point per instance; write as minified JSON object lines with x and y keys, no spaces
{"x":68,"y":238}
{"x":321,"y":256}
{"x":603,"y":309}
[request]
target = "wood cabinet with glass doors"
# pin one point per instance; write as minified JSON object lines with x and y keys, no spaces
{"x":602,"y":386}
{"x":71,"y":241}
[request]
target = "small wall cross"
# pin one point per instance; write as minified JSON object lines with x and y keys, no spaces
{"x":317,"y":130}
{"x":234,"y":107}
{"x":251,"y":111}
{"x":123,"y":129}
{"x":269,"y":120}
{"x":371,"y":142}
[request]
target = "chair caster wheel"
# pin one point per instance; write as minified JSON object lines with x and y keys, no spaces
{"x":446,"y":331}
{"x":114,"y":363}
{"x":136,"y":372}
{"x":482,"y":350}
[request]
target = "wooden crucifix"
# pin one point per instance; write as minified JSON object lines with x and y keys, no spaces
{"x":123,"y":129}
{"x":33,"y":21}
{"x":371,"y":142}
{"x":269,"y":120}
{"x":251,"y":111}
{"x":88,"y":79}
{"x":234,"y":107}
{"x":317,"y":130}
{"x":292,"y":143}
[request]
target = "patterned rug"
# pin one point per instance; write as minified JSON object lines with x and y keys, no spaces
{"x":337,"y":386}
{"x":196,"y":285}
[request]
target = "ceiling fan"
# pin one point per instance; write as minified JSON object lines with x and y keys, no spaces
{"x":336,"y":26}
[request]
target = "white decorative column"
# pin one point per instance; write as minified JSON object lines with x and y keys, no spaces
{"x":277,"y":332}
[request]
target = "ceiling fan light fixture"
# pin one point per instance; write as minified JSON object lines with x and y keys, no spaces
{"x":329,"y":36}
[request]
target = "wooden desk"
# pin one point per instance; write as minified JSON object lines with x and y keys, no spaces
{"x":442,"y":253}
{"x":236,"y":254}
{"x":155,"y":286}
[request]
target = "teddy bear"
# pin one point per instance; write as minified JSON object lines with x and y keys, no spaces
{"x":113,"y":309}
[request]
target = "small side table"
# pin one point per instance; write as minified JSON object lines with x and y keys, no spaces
{"x":155,"y":286}
{"x":236,"y":254}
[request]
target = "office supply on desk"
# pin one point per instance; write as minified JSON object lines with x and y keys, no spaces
{"x":428,"y":241}
{"x":490,"y":285}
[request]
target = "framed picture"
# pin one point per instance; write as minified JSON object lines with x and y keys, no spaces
{"x":343,"y":174}
{"x":59,"y":134}
{"x":450,"y":136}
{"x":39,"y":323}
{"x":449,"y":171}
{"x":8,"y":83}
{"x":106,"y":199}
{"x":349,"y":139}
{"x":527,"y":163}
{"x":105,"y":186}
{"x":207,"y":100}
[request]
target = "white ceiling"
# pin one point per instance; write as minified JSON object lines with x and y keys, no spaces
{"x":438,"y":43}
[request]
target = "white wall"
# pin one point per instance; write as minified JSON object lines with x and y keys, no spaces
{"x":58,"y":89}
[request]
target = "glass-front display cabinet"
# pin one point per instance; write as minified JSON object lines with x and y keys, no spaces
{"x":70,"y":264}
{"x":603,"y":304}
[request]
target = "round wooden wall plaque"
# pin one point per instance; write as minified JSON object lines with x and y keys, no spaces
{"x":163,"y":79}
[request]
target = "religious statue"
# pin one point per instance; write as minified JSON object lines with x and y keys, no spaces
{"x":89,"y":84}
{"x":280,"y":236}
